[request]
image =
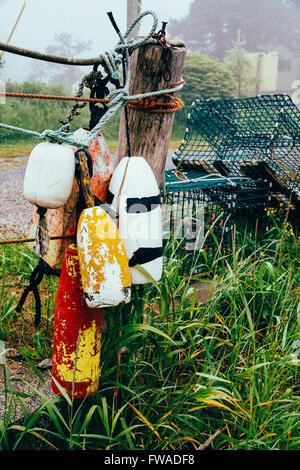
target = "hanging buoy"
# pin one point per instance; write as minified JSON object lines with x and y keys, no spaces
{"x":48,"y":184}
{"x":62,"y":221}
{"x":49,"y":175}
{"x":103,"y":163}
{"x":76,"y":336}
{"x":134,"y":195}
{"x":103,"y":261}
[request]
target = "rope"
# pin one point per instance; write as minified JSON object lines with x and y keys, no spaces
{"x":152,"y":105}
{"x":29,"y":240}
{"x":120,"y":98}
{"x":52,"y":97}
{"x":111,"y":60}
{"x":132,"y":45}
{"x":147,"y":104}
{"x":99,"y":60}
{"x":200,"y":178}
{"x":58,"y":136}
{"x":35,"y":279}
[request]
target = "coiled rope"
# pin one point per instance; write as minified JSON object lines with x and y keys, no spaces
{"x":111,"y":61}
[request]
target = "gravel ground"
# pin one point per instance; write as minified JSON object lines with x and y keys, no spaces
{"x":15,"y":211}
{"x":20,"y":378}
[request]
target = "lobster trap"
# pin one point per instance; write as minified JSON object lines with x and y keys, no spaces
{"x":257,"y":138}
{"x":199,"y":212}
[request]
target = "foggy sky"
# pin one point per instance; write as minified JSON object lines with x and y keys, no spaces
{"x":87,"y":19}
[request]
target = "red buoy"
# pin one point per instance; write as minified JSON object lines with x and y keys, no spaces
{"x":77,"y":334}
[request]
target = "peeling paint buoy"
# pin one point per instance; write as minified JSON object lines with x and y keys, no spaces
{"x":103,"y":162}
{"x":77,"y":335}
{"x":103,"y":261}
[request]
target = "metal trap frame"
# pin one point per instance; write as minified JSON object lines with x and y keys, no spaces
{"x":199,"y":212}
{"x":257,"y":138}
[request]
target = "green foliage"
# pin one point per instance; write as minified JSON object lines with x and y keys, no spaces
{"x":205,"y":78}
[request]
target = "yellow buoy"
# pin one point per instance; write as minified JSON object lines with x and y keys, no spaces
{"x":103,"y":261}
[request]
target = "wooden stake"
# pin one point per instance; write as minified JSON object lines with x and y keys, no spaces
{"x":150,"y":132}
{"x":2,"y":360}
{"x":132,"y":13}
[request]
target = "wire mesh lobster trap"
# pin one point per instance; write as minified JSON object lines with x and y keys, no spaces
{"x":199,"y":212}
{"x":256,"y":137}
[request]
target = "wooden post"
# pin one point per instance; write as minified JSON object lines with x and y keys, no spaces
{"x":150,"y":132}
{"x":2,"y":360}
{"x":132,"y":13}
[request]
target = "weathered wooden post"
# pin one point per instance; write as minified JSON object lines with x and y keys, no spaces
{"x":132,"y":12}
{"x":150,"y":132}
{"x":2,"y":360}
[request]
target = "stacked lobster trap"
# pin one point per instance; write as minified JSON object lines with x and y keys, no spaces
{"x":199,"y":212}
{"x":238,"y":157}
{"x":257,"y":138}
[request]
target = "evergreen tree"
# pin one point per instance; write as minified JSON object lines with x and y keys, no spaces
{"x":236,"y":61}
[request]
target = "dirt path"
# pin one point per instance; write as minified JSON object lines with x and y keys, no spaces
{"x":15,"y":211}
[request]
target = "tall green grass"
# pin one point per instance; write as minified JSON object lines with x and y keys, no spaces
{"x":224,"y":373}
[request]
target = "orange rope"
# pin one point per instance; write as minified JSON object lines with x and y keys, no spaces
{"x":151,"y":105}
{"x":29,"y":240}
{"x":52,"y":97}
{"x":185,"y":178}
{"x":145,"y":104}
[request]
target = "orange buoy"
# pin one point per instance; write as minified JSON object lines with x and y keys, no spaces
{"x":103,"y":163}
{"x":77,"y":334}
{"x":60,"y":222}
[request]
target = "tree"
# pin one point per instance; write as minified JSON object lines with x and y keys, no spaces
{"x":236,"y":61}
{"x":210,"y":27}
{"x":204,"y":78}
{"x":65,"y":44}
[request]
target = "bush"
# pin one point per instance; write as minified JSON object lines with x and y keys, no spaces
{"x":205,"y":78}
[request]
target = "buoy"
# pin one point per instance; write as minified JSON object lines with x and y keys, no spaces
{"x":103,"y":163}
{"x":62,"y":221}
{"x":103,"y":261}
{"x":76,"y":336}
{"x":49,"y":175}
{"x":134,"y":195}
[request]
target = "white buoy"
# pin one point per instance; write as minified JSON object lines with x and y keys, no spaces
{"x":134,"y":195}
{"x":49,"y":175}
